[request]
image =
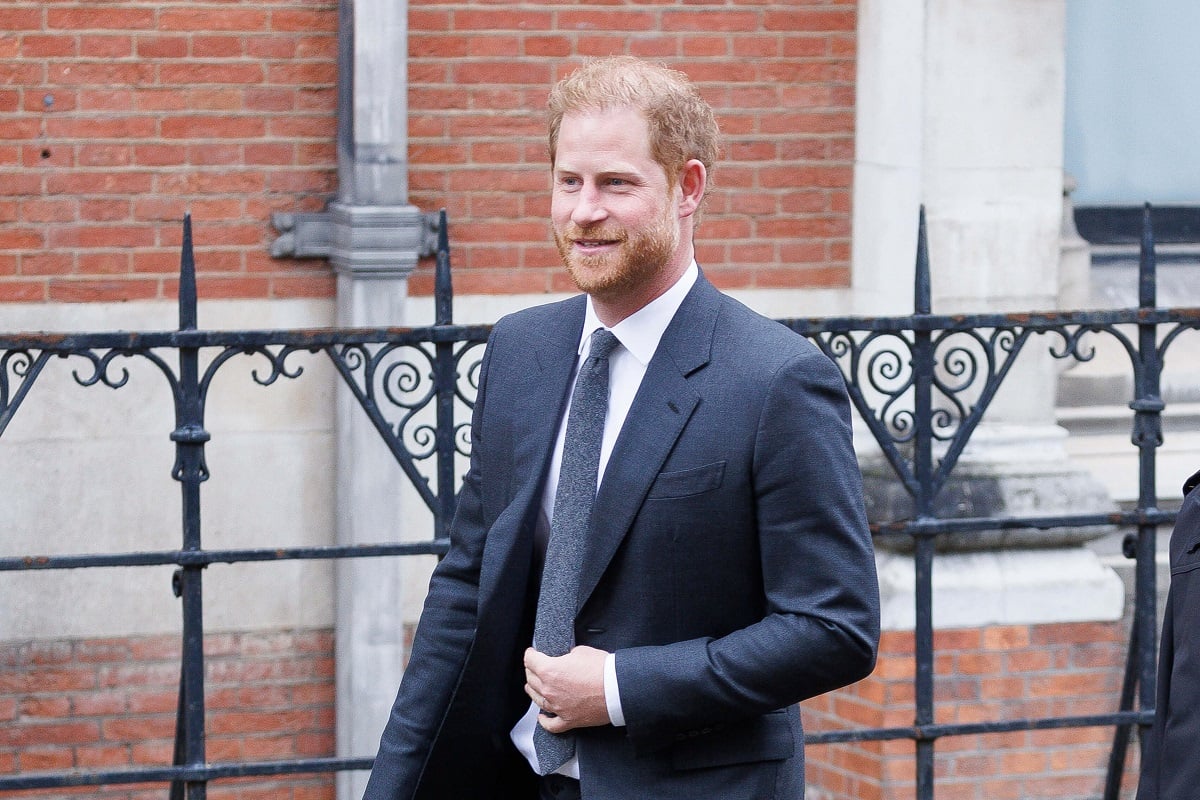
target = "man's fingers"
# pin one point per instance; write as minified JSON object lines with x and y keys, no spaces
{"x":554,"y":724}
{"x":533,"y":681}
{"x":567,"y":689}
{"x":536,"y":697}
{"x":534,"y":660}
{"x":544,"y":704}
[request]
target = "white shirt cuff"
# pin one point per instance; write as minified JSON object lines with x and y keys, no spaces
{"x":612,"y":696}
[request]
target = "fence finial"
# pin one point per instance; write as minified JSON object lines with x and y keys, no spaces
{"x":443,"y":291}
{"x":1147,"y":285}
{"x":921,"y":282}
{"x":187,"y":279}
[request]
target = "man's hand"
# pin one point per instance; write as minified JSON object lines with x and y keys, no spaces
{"x":568,"y":689}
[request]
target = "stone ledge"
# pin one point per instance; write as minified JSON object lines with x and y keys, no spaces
{"x":1009,"y":587}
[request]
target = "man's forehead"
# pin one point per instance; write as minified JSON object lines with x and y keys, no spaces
{"x":628,"y":117}
{"x":611,"y":135}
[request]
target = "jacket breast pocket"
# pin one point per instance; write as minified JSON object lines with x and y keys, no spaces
{"x":687,"y":482}
{"x":765,"y":738}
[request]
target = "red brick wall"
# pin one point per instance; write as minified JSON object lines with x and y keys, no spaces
{"x":781,"y":77}
{"x":226,"y":109}
{"x":97,"y":703}
{"x":981,"y":674}
{"x":110,"y":703}
{"x":221,"y":108}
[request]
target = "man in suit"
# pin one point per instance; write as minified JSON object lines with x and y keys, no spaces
{"x":1171,"y":770}
{"x":721,"y":572}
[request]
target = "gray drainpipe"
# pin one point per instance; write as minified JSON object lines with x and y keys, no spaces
{"x":373,"y":238}
{"x":370,"y":228}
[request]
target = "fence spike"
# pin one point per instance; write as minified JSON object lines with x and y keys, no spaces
{"x":922,"y":289}
{"x":443,"y":290}
{"x":1147,"y":285}
{"x":187,"y":279}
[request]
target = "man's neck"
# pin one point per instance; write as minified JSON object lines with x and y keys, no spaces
{"x":614,"y":309}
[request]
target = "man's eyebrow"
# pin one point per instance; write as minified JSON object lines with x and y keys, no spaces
{"x":615,"y":172}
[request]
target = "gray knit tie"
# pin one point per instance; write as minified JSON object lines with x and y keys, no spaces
{"x":554,"y":628}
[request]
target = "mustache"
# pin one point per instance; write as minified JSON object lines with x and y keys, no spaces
{"x":573,"y":232}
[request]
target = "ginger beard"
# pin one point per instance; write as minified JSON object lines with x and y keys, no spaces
{"x":638,"y":258}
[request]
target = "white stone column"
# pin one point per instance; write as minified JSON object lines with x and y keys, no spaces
{"x":992,"y":179}
{"x":960,"y":108}
{"x":375,"y":237}
{"x":890,"y":111}
{"x":370,"y":648}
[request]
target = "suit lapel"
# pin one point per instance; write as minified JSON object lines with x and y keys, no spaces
{"x":536,"y":398}
{"x":660,"y":411}
{"x":539,"y":399}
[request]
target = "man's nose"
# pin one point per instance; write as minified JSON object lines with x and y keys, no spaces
{"x":589,"y":207}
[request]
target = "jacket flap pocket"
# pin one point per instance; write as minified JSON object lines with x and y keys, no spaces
{"x":685,"y":482}
{"x":765,"y":738}
{"x":1185,"y":539}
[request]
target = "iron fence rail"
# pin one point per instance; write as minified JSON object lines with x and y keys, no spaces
{"x":921,"y":383}
{"x":438,"y":547}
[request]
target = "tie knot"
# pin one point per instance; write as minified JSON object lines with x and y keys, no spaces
{"x":602,"y":344}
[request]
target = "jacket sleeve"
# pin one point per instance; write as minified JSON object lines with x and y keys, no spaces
{"x":1169,"y":768}
{"x":442,"y":642}
{"x":820,"y":628}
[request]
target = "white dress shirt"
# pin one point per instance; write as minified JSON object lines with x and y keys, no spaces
{"x":639,"y":335}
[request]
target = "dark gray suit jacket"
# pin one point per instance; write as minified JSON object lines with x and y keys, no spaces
{"x":1171,"y":770}
{"x":729,"y":567}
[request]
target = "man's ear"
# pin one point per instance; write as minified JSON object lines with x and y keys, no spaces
{"x":693,"y":180}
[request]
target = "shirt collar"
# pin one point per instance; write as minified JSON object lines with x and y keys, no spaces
{"x":641,"y":332}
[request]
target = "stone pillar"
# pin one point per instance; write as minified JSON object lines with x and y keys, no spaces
{"x":1075,"y":261}
{"x":993,"y":180}
{"x":370,"y":640}
{"x":890,"y":120}
{"x":374,"y":239}
{"x":960,"y":108}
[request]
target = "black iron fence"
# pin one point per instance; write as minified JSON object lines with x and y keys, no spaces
{"x":922,"y":384}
